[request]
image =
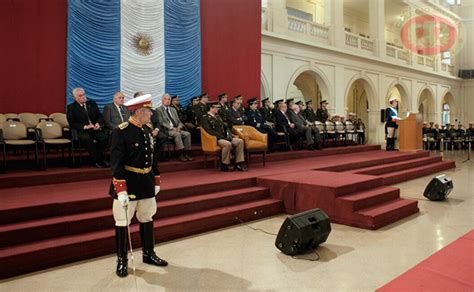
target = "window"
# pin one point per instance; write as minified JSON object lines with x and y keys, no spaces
{"x":445,"y":117}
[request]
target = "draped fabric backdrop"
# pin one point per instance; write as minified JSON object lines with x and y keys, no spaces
{"x":49,"y":47}
{"x":32,"y":55}
{"x":231,"y":47}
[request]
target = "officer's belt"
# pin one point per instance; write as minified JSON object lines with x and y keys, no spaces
{"x":138,"y":170}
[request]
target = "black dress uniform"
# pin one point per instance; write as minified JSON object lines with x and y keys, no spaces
{"x":256,"y":120}
{"x":322,"y":115}
{"x":310,"y":115}
{"x":162,"y":136}
{"x":135,"y":172}
{"x":391,"y":115}
{"x":267,"y":114}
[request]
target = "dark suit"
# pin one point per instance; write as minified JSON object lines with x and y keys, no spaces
{"x":162,"y":136}
{"x":95,"y":141}
{"x":310,"y":115}
{"x":235,"y":117}
{"x":256,"y":120}
{"x":113,"y":118}
{"x":301,"y":125}
{"x":267,"y":114}
{"x":322,"y":115}
{"x":283,"y":125}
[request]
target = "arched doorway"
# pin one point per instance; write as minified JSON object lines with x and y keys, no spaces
{"x":449,"y":113}
{"x":360,"y":99}
{"x":357,"y":101}
{"x":264,"y":90}
{"x":400,"y":93}
{"x":426,"y":105}
{"x":309,"y":84}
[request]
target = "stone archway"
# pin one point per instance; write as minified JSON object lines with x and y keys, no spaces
{"x":426,"y":105}
{"x":360,"y":98}
{"x":448,"y":99}
{"x":311,"y":84}
{"x":264,"y":88}
{"x":400,"y":92}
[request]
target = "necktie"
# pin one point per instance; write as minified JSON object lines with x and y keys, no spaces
{"x":120,"y":112}
{"x":175,"y":125}
{"x":87,"y":113}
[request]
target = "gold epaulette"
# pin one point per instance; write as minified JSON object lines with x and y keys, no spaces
{"x":123,"y":125}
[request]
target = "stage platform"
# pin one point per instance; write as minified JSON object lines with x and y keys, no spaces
{"x":63,"y":215}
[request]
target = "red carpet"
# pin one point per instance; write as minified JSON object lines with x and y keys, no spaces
{"x":450,"y":269}
{"x":64,"y":214}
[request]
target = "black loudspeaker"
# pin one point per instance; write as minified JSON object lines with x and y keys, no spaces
{"x":439,"y":188}
{"x":382,"y":115}
{"x":303,"y":232}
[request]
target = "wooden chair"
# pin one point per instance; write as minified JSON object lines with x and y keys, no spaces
{"x":254,"y":141}
{"x":209,"y":147}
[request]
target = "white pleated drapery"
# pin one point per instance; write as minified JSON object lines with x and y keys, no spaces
{"x":139,"y":71}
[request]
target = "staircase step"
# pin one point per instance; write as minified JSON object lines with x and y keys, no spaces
{"x":397,"y":166}
{"x":83,"y":197}
{"x":388,"y":212}
{"x":67,"y":249}
{"x":412,"y":173}
{"x":368,"y":198}
{"x":42,"y":229}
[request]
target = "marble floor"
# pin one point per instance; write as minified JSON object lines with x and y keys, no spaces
{"x":240,"y":259}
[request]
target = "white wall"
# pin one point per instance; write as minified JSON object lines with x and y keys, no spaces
{"x":283,"y":60}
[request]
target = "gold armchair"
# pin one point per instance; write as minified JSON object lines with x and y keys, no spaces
{"x":209,"y":147}
{"x":255,"y":142}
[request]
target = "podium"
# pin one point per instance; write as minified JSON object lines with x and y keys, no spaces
{"x":410,"y":133}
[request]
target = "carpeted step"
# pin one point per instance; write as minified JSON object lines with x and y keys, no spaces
{"x":57,"y":251}
{"x":383,"y":214}
{"x":397,"y":166}
{"x":84,"y":197}
{"x":412,"y":173}
{"x":367,"y":198}
{"x":42,"y":229}
{"x":393,"y":158}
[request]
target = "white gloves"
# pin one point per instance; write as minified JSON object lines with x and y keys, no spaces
{"x":157,"y":190}
{"x":123,"y":198}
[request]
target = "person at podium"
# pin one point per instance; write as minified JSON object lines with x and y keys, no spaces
{"x":391,"y":115}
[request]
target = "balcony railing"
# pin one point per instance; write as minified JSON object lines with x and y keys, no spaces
{"x":308,"y":28}
{"x":359,"y":42}
{"x":425,"y":61}
{"x":398,"y":53}
{"x":447,"y":68}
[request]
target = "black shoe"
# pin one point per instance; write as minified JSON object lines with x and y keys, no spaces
{"x":99,"y":165}
{"x":149,"y":257}
{"x":240,"y":167}
{"x":148,"y":243}
{"x":121,"y":238}
{"x":224,"y":167}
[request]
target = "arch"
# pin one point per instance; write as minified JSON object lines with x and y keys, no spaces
{"x":403,"y":89}
{"x":432,"y":93}
{"x":321,"y":78}
{"x":426,"y":104}
{"x":264,"y":86}
{"x":369,"y":87}
{"x":449,"y":99}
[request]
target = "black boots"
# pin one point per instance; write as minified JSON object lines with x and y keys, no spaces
{"x":121,"y":237}
{"x":148,"y":243}
{"x":391,"y":144}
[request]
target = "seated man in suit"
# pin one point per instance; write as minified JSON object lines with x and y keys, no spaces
{"x":234,"y":114}
{"x":285,"y":124}
{"x":309,"y":131}
{"x":215,"y":126}
{"x":115,"y":113}
{"x":256,"y":120}
{"x":179,"y":109}
{"x":84,"y":116}
{"x":157,"y":131}
{"x":168,"y":118}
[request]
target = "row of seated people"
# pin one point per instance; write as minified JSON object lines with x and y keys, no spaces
{"x":450,"y":135}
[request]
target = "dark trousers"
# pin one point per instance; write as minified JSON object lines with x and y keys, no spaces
{"x":160,"y":141}
{"x":95,"y":143}
{"x":295,"y":134}
{"x":272,"y":134}
{"x":361,"y":138}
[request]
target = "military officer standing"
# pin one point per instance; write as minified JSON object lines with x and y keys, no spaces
{"x":391,"y":118}
{"x":135,"y":183}
{"x":322,"y":112}
{"x":215,"y":126}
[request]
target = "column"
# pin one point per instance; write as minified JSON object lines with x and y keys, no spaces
{"x":338,"y":102}
{"x":377,"y":26}
{"x":277,"y":16}
{"x":334,"y":17}
{"x":375,"y":128}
